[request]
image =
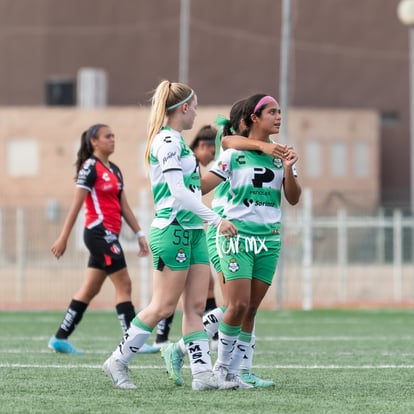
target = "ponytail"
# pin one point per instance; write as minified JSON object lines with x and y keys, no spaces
{"x":85,"y":149}
{"x":157,"y":115}
{"x":166,"y":99}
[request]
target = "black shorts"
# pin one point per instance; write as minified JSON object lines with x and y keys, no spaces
{"x":105,"y":250}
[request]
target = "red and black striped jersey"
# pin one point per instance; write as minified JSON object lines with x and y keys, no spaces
{"x":103,"y":202}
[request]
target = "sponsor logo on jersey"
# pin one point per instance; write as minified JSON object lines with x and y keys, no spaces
{"x":89,"y":163}
{"x":240,"y":244}
{"x":107,"y":187}
{"x":257,"y":203}
{"x":241,"y":159}
{"x":109,"y":236}
{"x":105,"y":176}
{"x":168,"y":157}
{"x":262,"y":175}
{"x":83,"y":173}
{"x":264,"y":203}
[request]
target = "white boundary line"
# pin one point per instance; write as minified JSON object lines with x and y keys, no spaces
{"x":258,"y":339}
{"x":92,"y":366}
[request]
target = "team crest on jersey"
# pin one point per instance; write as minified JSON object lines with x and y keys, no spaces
{"x":233,"y":265}
{"x":277,"y":162}
{"x":181,"y":257}
{"x":222,"y":165}
{"x":115,"y":249}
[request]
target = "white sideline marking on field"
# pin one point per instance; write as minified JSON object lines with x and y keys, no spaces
{"x":50,"y":352}
{"x":334,"y":338}
{"x":91,"y":366}
{"x":257,"y":352}
{"x":258,"y":339}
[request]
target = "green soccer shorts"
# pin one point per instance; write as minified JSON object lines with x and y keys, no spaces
{"x":249,"y":257}
{"x":178,"y":248}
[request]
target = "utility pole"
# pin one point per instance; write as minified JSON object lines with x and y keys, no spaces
{"x":184,"y":41}
{"x":284,"y":68}
{"x":284,"y":105}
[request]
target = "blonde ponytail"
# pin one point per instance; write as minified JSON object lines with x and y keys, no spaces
{"x":166,"y":99}
{"x":157,"y":115}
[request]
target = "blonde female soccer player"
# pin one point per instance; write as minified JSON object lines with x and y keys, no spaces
{"x":177,"y":241}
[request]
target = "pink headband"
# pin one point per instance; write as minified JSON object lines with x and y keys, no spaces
{"x":264,"y":101}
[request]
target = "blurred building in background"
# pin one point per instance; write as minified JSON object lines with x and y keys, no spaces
{"x":345,"y":54}
{"x":67,"y":65}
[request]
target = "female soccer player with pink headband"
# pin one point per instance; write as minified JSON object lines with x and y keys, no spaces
{"x":248,"y":260}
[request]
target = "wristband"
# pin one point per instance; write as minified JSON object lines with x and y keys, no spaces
{"x":140,"y":234}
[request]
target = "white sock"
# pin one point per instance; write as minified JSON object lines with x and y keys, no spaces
{"x":211,"y":321}
{"x":242,"y":345}
{"x":247,"y":360}
{"x":226,"y":346}
{"x":133,"y":339}
{"x":198,"y":352}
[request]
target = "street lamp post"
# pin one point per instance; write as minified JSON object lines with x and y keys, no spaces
{"x":405,"y":13}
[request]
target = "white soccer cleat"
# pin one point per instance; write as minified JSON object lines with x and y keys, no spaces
{"x":118,"y":373}
{"x":206,"y":381}
{"x":242,"y":385}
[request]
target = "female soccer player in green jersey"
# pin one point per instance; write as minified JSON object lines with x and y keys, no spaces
{"x":177,"y":241}
{"x":174,"y":353}
{"x":248,"y":260}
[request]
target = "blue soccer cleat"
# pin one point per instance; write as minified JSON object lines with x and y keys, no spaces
{"x":63,"y":346}
{"x":148,"y":349}
{"x":254,"y":380}
{"x":174,"y":361}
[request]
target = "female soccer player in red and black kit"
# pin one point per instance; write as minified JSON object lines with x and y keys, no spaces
{"x":99,"y":187}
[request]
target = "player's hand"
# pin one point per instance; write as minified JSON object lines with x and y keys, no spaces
{"x":274,"y":149}
{"x":143,"y":247}
{"x":228,"y":229}
{"x":58,"y":248}
{"x":290,"y":157}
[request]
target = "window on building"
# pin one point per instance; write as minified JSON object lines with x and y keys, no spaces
{"x":313,"y":158}
{"x":390,"y":118}
{"x":22,"y":157}
{"x":338,"y":159}
{"x":361,"y":159}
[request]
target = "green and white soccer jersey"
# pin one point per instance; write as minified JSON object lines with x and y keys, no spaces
{"x":253,"y":202}
{"x":218,"y":203}
{"x":170,"y":152}
{"x":221,"y":194}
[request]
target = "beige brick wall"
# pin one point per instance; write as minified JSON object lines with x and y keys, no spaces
{"x":58,"y":130}
{"x":37,"y":280}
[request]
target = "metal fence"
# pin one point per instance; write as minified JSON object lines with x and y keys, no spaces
{"x":335,"y":261}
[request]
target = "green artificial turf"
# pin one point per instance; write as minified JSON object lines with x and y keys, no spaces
{"x":327,"y":361}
